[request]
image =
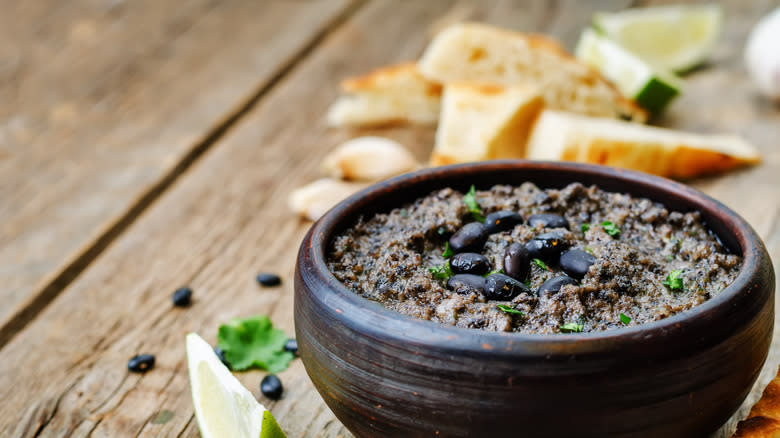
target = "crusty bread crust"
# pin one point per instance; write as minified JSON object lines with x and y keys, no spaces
{"x":764,"y":418}
{"x":385,"y":76}
{"x":481,"y":53}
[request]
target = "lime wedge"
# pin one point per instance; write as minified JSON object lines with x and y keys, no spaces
{"x":651,"y":87}
{"x":675,"y":37}
{"x":224,"y":408}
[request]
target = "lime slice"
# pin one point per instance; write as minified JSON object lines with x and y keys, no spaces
{"x":651,"y":88}
{"x":224,"y":408}
{"x":676,"y":37}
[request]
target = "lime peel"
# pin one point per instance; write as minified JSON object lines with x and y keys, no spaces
{"x":224,"y":408}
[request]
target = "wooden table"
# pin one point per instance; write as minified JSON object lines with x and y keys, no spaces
{"x":147,"y":144}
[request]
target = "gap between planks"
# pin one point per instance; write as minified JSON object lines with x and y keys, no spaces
{"x":27,"y":311}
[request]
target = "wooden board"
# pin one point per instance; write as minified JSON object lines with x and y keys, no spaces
{"x":226,"y":218}
{"x":103,"y":103}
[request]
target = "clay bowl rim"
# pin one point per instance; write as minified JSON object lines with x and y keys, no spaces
{"x":362,"y":313}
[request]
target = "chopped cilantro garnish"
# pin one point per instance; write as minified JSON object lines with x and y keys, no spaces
{"x":624,"y":319}
{"x":589,"y":250}
{"x":470,"y":199}
{"x":673,"y":280}
{"x":669,"y":257}
{"x":541,"y":264}
{"x":506,"y":309}
{"x":584,"y":227}
{"x":253,"y":343}
{"x":527,"y":282}
{"x":448,"y":252}
{"x":572,"y":327}
{"x":494,"y":271}
{"x":441,"y":272}
{"x":610,"y":228}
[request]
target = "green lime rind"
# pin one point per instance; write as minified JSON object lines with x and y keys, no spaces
{"x":270,"y":428}
{"x":656,"y":95}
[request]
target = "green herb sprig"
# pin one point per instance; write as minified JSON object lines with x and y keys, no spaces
{"x":441,"y":272}
{"x":494,"y":271}
{"x":673,"y":281}
{"x":572,"y":327}
{"x":511,"y":310}
{"x":584,"y":227}
{"x":448,"y":252}
{"x":624,"y":319}
{"x":610,"y":228}
{"x":470,"y":199}
{"x":541,"y":264}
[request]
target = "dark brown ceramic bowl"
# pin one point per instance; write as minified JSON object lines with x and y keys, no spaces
{"x":388,"y":375}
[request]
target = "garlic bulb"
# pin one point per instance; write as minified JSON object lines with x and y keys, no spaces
{"x":368,"y":159}
{"x":762,"y":55}
{"x":315,"y":199}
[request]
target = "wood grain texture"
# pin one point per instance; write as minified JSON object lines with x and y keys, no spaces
{"x":226,"y":218}
{"x":101,"y":101}
{"x":217,"y":225}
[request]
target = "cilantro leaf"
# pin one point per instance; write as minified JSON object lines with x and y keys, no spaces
{"x":448,"y":252}
{"x":506,"y":309}
{"x":673,"y":280}
{"x":470,"y":200}
{"x":494,"y":271}
{"x":584,"y":227}
{"x":572,"y":327}
{"x":441,"y":272}
{"x":541,"y":264}
{"x":610,"y":228}
{"x":624,"y":319}
{"x":253,"y":342}
{"x":589,"y":250}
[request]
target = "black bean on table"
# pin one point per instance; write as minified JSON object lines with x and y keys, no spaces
{"x":466,"y":283}
{"x":554,"y":285}
{"x":503,"y":220}
{"x":548,"y":220}
{"x":470,"y":263}
{"x":469,"y":238}
{"x":182,"y":297}
{"x":546,"y":246}
{"x":576,"y":262}
{"x":141,"y":363}
{"x":503,"y":287}
{"x":271,"y":387}
{"x":516,"y":261}
{"x":292,"y":346}
{"x":268,"y":279}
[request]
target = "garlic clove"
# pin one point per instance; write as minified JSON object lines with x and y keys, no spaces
{"x":368,"y":159}
{"x":762,"y":55}
{"x":316,"y":198}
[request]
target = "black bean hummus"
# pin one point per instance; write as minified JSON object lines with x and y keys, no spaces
{"x":528,"y":260}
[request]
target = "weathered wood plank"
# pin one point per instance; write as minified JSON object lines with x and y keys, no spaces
{"x":99,"y":104}
{"x":212,"y":230}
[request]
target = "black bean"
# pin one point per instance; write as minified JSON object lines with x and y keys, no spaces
{"x":576,"y":262}
{"x":554,"y":285}
{"x":141,"y":363}
{"x":466,"y":283}
{"x":502,"y":221}
{"x":268,"y":279}
{"x":271,"y":387}
{"x":548,"y":220}
{"x":470,"y":263}
{"x":546,"y":246}
{"x":503,"y":287}
{"x":182,"y":297}
{"x":292,"y":346}
{"x":516,"y":261}
{"x":470,"y":238}
{"x":221,"y":355}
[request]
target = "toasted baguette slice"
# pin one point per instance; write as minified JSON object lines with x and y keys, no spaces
{"x":571,"y":137}
{"x":479,"y":53}
{"x":484,"y":122}
{"x":395,"y":94}
{"x":764,"y":418}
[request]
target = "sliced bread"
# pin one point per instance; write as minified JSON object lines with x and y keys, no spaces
{"x":484,"y":122}
{"x":570,"y":137}
{"x":480,"y":53}
{"x":390,"y":95}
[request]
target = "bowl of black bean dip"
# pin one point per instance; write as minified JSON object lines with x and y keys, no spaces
{"x":517,"y":298}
